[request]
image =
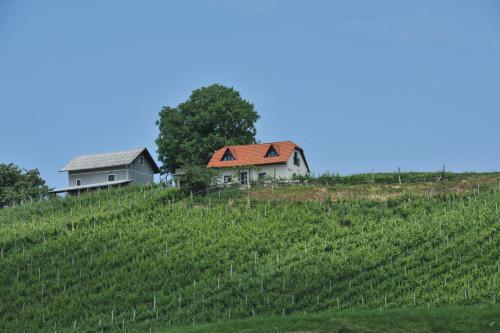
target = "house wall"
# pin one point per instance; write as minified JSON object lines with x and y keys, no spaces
{"x":141,"y":173}
{"x":97,"y":175}
{"x":299,"y":170}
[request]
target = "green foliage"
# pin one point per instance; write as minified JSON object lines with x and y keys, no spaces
{"x":136,"y":257}
{"x":18,"y":185}
{"x":211,"y":118}
{"x":196,"y":179}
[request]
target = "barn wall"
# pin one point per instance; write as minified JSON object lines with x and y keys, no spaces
{"x":97,"y":175}
{"x":141,"y":173}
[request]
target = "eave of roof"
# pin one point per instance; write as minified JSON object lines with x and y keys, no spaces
{"x":244,"y":165}
{"x":84,"y":187}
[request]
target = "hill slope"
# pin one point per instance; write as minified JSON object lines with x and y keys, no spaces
{"x":450,"y":319}
{"x":133,"y":257}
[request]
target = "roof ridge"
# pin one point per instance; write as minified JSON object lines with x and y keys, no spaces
{"x":108,"y":153}
{"x":255,"y":144}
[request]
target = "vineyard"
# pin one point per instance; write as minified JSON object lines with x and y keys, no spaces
{"x":139,"y":258}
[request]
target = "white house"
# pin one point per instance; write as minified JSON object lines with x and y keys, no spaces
{"x":86,"y":173}
{"x":244,"y":164}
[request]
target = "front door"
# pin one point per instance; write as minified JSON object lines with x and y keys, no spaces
{"x":244,"y":178}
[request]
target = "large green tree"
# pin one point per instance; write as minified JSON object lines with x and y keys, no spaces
{"x":212,"y":117}
{"x":17,"y":185}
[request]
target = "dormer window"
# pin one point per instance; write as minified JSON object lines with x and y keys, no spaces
{"x":228,"y":156}
{"x":271,"y":152}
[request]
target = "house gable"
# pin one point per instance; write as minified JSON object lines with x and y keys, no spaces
{"x":297,"y":163}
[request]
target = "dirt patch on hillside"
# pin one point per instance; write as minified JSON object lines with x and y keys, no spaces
{"x":380,"y":192}
{"x":297,"y":193}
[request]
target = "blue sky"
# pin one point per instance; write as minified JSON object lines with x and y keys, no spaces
{"x":360,"y":85}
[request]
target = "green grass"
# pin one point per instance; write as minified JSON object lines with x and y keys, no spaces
{"x":142,"y":257}
{"x":451,"y":319}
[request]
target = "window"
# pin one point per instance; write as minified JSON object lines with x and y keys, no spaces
{"x":296,"y":159}
{"x":272,"y":152}
{"x":262,"y":175}
{"x":228,"y":156}
{"x":244,"y":178}
{"x":111,"y":178}
{"x":227,"y":179}
{"x":140,"y":160}
{"x":78,"y":182}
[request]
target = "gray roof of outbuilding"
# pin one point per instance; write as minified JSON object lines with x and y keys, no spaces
{"x":107,"y":160}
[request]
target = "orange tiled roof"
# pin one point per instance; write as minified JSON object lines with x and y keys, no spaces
{"x":253,"y":154}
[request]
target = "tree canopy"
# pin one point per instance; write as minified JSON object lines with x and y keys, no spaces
{"x":18,"y":185}
{"x":212,"y":117}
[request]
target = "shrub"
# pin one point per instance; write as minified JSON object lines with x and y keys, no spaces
{"x":196,"y":179}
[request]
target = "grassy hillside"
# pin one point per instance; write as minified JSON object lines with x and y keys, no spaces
{"x":140,"y":257}
{"x":450,"y":319}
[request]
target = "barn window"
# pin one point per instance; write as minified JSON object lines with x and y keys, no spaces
{"x":111,"y":178}
{"x":141,"y":160}
{"x":271,"y":152}
{"x":228,"y":156}
{"x":78,"y":182}
{"x":296,"y":159}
